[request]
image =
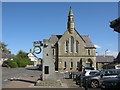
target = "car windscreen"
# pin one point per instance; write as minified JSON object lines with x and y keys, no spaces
{"x":93,"y":72}
{"x":112,"y":72}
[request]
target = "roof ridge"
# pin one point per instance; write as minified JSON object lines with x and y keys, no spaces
{"x":85,"y":35}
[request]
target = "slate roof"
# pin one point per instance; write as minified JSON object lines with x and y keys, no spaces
{"x":86,"y":38}
{"x":103,"y":59}
{"x":88,"y":42}
{"x":4,"y":55}
{"x":54,"y":38}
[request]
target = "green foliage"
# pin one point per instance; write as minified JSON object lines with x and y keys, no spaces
{"x":21,"y":63}
{"x":13,"y":64}
{"x":31,"y":63}
{"x":20,"y":60}
{"x":22,"y":55}
{"x":3,"y":47}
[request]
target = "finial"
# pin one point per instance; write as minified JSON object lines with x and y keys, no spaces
{"x":70,"y":12}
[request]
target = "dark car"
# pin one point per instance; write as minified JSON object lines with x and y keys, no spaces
{"x":95,"y":80}
{"x":112,"y":83}
{"x":5,"y":64}
{"x":78,"y":78}
{"x":39,"y":67}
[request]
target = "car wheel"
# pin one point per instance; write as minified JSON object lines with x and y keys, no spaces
{"x":94,"y":84}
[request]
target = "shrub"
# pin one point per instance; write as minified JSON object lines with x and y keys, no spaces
{"x":21,"y":63}
{"x":31,"y":63}
{"x":13,"y":64}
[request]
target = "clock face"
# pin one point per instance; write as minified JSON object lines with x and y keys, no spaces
{"x":37,"y":50}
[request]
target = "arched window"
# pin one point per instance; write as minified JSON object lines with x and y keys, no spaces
{"x":77,"y":46}
{"x":72,"y":44}
{"x":89,"y":63}
{"x":71,"y":65}
{"x":88,"y":52}
{"x":65,"y":64}
{"x":53,"y":52}
{"x":66,"y":46}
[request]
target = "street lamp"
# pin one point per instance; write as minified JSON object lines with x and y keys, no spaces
{"x":106,"y":51}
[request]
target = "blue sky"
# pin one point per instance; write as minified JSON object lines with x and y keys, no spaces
{"x":26,"y":22}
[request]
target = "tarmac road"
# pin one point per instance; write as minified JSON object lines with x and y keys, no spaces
{"x":8,"y":73}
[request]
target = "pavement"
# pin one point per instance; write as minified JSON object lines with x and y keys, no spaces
{"x":27,"y":78}
{"x":29,"y":82}
{"x":8,"y":73}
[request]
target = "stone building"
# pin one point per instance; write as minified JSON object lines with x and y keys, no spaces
{"x":103,"y":60}
{"x":72,"y":51}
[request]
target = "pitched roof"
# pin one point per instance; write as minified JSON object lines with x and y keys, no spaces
{"x":54,"y":38}
{"x":88,"y":42}
{"x":5,"y":55}
{"x":104,"y":59}
{"x":86,"y":38}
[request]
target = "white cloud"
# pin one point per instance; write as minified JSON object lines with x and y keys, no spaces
{"x":97,"y":46}
{"x":109,"y":53}
{"x":114,"y":53}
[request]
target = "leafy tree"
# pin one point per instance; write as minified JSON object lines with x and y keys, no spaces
{"x":22,"y":59}
{"x":3,"y":47}
{"x":22,"y":55}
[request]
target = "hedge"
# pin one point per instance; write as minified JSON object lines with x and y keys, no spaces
{"x":19,"y":62}
{"x":13,"y":64}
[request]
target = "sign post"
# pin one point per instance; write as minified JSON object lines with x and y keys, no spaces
{"x":48,"y":72}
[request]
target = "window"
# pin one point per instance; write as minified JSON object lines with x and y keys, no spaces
{"x":71,"y":65}
{"x":46,"y":69}
{"x":66,"y":46}
{"x":72,"y":44}
{"x":65,"y":64}
{"x":89,"y":64}
{"x":53,"y":52}
{"x":77,"y":46}
{"x":88,"y":52}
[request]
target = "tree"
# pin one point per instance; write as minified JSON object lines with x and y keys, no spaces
{"x":22,"y":59}
{"x":22,"y":55}
{"x":3,"y":47}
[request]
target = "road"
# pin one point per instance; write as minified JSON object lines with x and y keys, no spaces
{"x":8,"y":73}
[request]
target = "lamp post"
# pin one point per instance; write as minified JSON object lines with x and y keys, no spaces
{"x":106,"y":51}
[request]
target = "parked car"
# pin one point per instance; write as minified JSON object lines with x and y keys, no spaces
{"x":112,"y":83}
{"x":39,"y":67}
{"x":86,"y":73}
{"x":5,"y":64}
{"x":78,"y":78}
{"x":95,"y":80}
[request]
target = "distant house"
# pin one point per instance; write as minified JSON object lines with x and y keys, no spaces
{"x":103,"y":60}
{"x":34,"y":58}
